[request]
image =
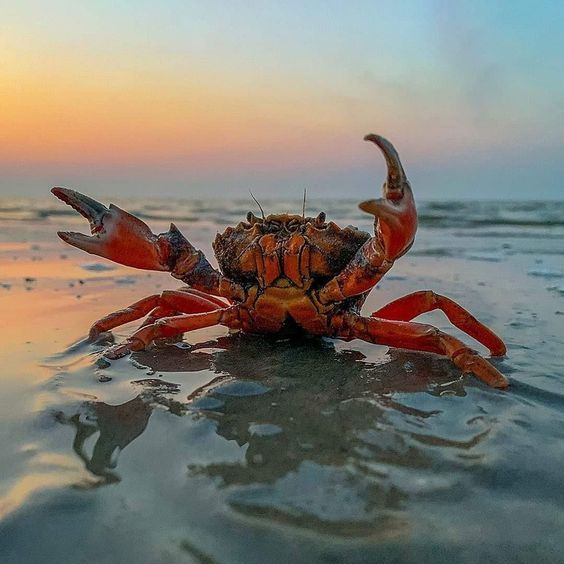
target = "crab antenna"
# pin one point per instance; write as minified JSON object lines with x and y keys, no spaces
{"x":303,"y":207}
{"x":257,"y":203}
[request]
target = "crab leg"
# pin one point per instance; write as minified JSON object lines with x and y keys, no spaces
{"x":408,"y":307}
{"x":219,"y":302}
{"x":163,"y":311}
{"x":394,"y":230}
{"x":158,"y":313}
{"x":186,"y":301}
{"x":419,"y":337}
{"x":173,"y":326}
{"x":120,"y":317}
{"x":123,"y":238}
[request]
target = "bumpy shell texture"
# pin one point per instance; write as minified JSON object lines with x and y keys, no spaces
{"x":328,"y":247}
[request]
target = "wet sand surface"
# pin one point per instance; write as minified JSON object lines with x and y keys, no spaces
{"x":234,"y":448}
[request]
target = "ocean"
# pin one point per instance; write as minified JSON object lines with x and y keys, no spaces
{"x":240,"y":448}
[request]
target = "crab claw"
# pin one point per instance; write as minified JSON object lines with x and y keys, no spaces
{"x":116,"y":234}
{"x":395,"y":213}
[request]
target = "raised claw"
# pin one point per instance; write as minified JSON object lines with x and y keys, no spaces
{"x":116,"y":234}
{"x":395,"y":213}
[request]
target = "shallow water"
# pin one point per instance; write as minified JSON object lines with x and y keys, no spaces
{"x":235,"y":448}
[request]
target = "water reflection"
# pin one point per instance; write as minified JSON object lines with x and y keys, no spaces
{"x":116,"y":425}
{"x":328,"y":441}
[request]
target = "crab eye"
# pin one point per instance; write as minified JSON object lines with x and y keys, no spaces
{"x":252,"y":218}
{"x":320,"y":219}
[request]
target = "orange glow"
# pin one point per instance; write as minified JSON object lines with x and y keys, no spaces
{"x":148,"y":112}
{"x":65,"y":112}
{"x":26,"y":487}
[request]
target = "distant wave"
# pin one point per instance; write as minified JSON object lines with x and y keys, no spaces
{"x":477,"y":215}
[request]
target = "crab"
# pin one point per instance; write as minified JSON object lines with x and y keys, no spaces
{"x":283,"y":274}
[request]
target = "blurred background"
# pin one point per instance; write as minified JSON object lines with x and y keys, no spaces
{"x":193,"y":99}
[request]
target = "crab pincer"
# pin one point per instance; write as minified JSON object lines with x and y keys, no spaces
{"x":395,"y":225}
{"x":395,"y":213}
{"x":115,"y":234}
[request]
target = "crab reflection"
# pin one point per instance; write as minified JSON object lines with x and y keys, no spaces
{"x":297,"y":410}
{"x":117,"y":425}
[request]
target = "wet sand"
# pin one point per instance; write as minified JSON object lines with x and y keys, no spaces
{"x":235,"y":448}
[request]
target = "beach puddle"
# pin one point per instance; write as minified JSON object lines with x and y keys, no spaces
{"x":305,"y":435}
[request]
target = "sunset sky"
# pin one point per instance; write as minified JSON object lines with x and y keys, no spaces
{"x":213,"y":98}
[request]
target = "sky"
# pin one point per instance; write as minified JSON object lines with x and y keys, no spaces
{"x":208,"y":99}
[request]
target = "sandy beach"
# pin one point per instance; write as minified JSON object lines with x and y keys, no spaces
{"x":245,"y":449}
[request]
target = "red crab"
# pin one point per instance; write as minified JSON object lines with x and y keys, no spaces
{"x":284,"y":273}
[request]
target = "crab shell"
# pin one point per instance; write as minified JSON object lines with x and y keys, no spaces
{"x":279,"y":260}
{"x":284,"y":250}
